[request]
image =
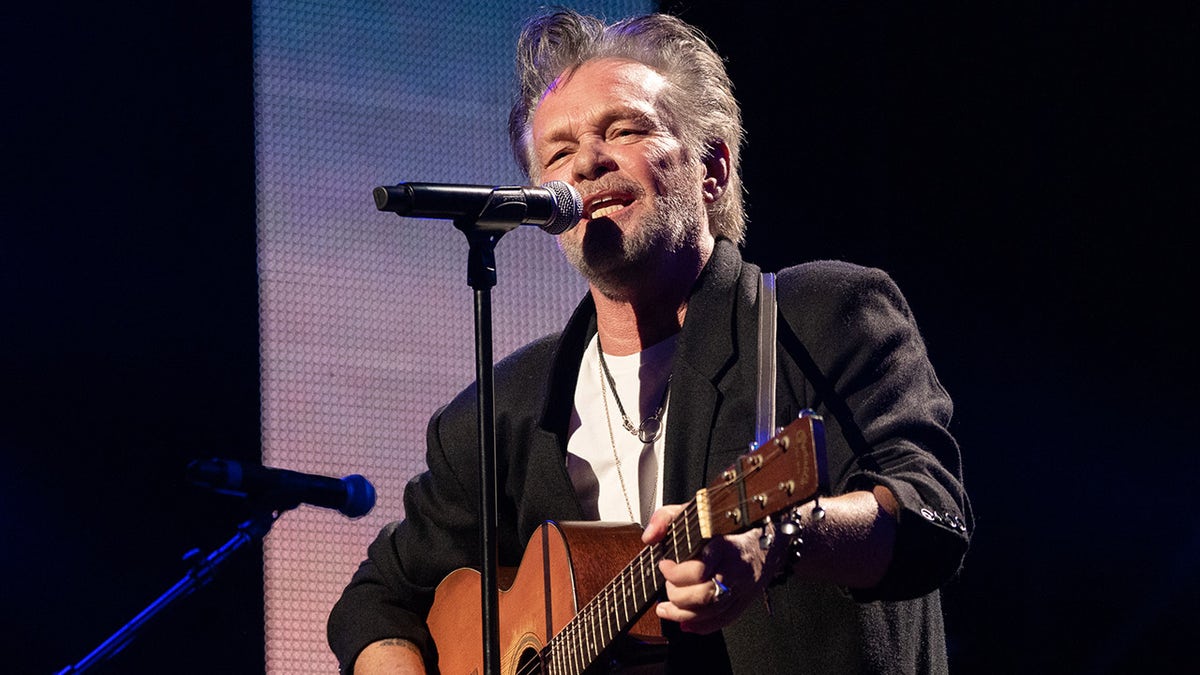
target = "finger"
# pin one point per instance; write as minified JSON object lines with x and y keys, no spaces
{"x":669,"y":611}
{"x":693,"y":600}
{"x":704,"y":618}
{"x":687,"y":586}
{"x":707,"y":623}
{"x":687,"y":573}
{"x":659,"y":522}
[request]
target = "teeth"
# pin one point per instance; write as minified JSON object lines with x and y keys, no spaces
{"x":605,"y":210}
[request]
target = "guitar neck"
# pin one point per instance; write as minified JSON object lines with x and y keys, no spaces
{"x":619,"y":604}
{"x":784,"y":471}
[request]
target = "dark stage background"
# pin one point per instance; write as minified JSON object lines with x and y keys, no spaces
{"x":1026,"y":172}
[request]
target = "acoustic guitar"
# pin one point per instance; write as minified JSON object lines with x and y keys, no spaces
{"x":570,"y":601}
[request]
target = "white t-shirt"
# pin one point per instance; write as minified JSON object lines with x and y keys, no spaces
{"x":591,"y":456}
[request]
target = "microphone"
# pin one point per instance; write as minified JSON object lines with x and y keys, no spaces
{"x":555,"y":207}
{"x":353,"y":495}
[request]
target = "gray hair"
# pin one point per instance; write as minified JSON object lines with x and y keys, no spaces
{"x":699,"y":105}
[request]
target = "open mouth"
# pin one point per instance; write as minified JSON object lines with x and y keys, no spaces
{"x":605,"y":205}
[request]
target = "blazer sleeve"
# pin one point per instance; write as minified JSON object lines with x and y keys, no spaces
{"x":390,"y":594}
{"x":850,"y":332}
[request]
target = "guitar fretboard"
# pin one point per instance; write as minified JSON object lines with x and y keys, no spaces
{"x":782,"y":472}
{"x":618,"y":605}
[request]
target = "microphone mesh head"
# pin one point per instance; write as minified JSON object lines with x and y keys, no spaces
{"x":360,"y":496}
{"x":568,"y":207}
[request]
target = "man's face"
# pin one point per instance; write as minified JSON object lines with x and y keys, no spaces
{"x":601,"y":129}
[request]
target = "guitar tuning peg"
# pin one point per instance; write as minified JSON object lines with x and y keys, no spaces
{"x":768,"y":535}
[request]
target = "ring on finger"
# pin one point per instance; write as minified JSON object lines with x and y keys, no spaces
{"x":720,"y":591}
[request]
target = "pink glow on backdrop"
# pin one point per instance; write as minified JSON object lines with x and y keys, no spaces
{"x":366,"y":318}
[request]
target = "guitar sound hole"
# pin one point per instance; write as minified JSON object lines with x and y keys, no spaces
{"x":529,"y":662}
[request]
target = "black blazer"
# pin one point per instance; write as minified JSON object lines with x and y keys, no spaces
{"x":848,"y":349}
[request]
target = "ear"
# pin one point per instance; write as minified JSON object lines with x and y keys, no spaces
{"x":716,"y":170}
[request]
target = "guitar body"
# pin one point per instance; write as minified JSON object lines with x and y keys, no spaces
{"x":575,"y":604}
{"x":564,"y":566}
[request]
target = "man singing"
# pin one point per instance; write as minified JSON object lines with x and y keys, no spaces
{"x":651,"y":391}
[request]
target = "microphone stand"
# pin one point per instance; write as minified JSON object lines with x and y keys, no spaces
{"x":481,"y":276}
{"x":484,"y":214}
{"x":199,"y":576}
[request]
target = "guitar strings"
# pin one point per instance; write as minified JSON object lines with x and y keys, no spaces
{"x":579,"y":637}
{"x":584,"y":638}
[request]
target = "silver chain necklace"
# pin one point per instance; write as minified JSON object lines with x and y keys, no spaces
{"x":651,"y":427}
{"x":616,"y":456}
{"x":613,"y":440}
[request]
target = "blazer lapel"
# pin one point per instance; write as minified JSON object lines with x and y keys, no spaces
{"x":548,"y":446}
{"x":705,"y":351}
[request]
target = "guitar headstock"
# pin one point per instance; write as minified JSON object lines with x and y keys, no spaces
{"x":786,"y":470}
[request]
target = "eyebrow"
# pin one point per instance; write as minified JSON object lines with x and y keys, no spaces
{"x":605,"y":119}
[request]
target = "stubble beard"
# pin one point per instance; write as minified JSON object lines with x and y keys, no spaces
{"x":617,"y":263}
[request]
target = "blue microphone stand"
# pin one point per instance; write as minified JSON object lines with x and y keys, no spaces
{"x":201,"y":574}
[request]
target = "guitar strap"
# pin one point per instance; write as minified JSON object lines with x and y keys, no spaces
{"x":764,"y":424}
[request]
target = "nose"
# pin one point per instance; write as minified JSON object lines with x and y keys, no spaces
{"x":592,"y":160}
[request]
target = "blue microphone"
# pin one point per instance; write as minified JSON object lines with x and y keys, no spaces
{"x":353,"y":496}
